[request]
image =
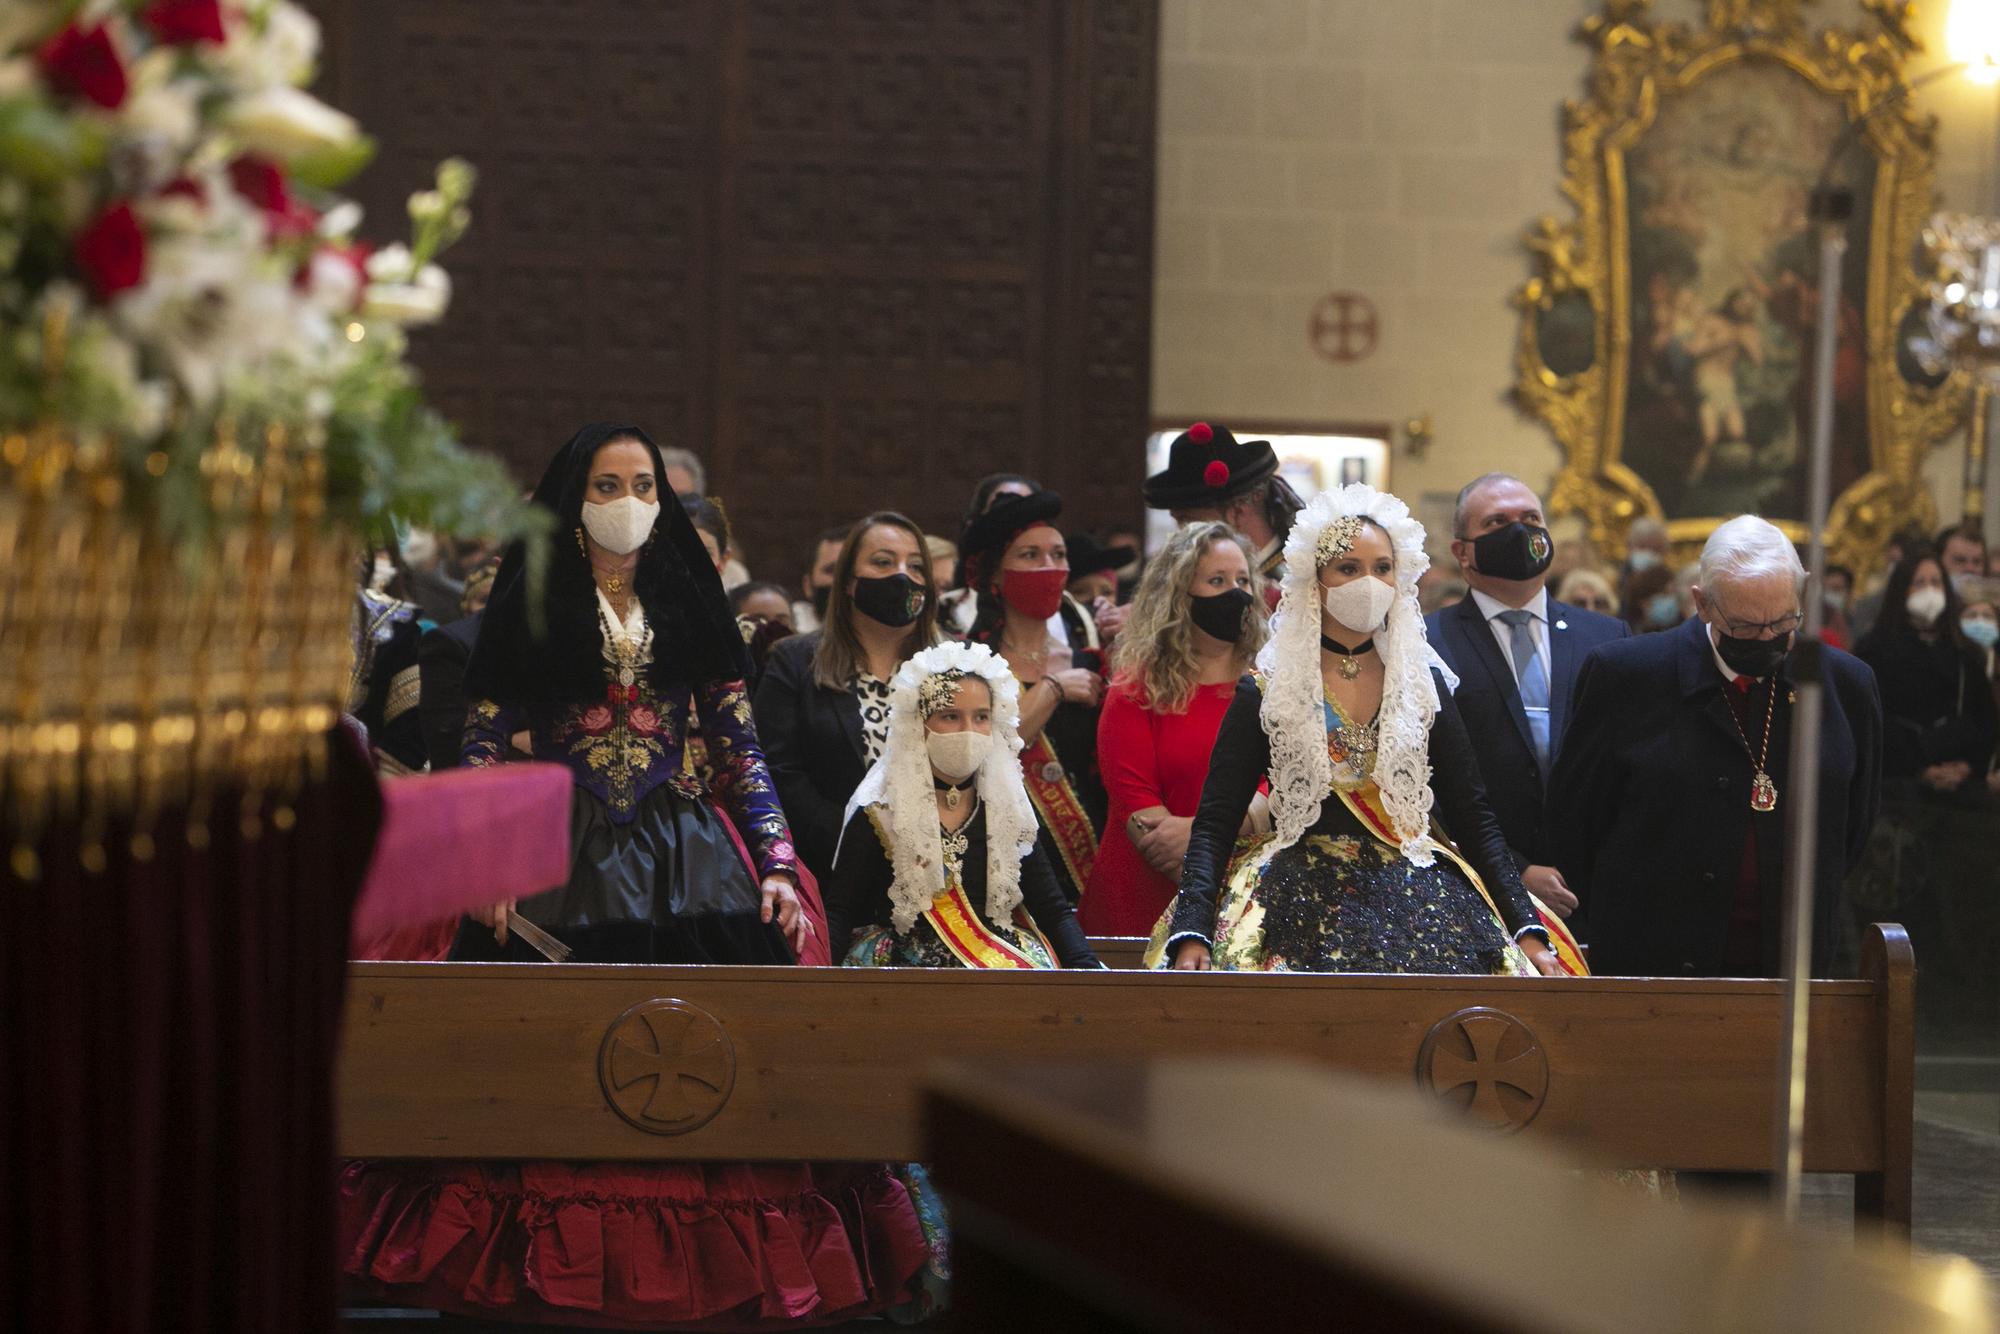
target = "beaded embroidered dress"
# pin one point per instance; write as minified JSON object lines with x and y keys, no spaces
{"x":655,"y":877}
{"x":1344,"y":898}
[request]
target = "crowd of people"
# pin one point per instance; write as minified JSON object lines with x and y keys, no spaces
{"x":1283,"y":741}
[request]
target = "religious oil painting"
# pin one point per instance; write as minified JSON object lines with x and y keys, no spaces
{"x":1724,"y":296}
{"x":1668,"y":325}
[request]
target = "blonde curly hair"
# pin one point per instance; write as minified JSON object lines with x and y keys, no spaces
{"x":1156,"y":647}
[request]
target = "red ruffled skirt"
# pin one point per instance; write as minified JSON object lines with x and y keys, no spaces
{"x":725,"y":1246}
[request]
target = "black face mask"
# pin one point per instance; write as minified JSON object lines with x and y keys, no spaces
{"x":1518,"y":551}
{"x":819,"y":601}
{"x":1224,"y":614}
{"x":1752,"y":657}
{"x":895,"y":599}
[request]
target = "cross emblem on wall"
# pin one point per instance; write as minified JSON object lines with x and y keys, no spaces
{"x":1344,"y":327}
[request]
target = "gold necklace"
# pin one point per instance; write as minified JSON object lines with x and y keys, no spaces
{"x":614,"y":581}
{"x":956,"y":841}
{"x":1349,"y":668}
{"x":1763,"y":792}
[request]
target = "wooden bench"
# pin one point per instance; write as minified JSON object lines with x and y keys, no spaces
{"x":615,"y":1062}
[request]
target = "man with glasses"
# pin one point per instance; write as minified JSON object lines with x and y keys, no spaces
{"x":1668,"y":805}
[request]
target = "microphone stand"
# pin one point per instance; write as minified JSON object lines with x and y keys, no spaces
{"x":1831,"y":209}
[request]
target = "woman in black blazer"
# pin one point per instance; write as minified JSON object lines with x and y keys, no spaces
{"x":822,"y":707}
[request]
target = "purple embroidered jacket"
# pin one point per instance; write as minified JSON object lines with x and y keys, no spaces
{"x":633,"y":741}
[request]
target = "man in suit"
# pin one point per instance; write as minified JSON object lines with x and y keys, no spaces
{"x":1516,"y":651}
{"x":1668,"y":806}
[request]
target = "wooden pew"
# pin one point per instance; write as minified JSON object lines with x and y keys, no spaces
{"x":1401,"y":1220}
{"x":586,"y":1061}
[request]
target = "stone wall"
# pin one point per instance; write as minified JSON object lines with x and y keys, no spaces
{"x":1398,"y":148}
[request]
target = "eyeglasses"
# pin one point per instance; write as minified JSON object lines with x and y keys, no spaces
{"x":1777,"y":629}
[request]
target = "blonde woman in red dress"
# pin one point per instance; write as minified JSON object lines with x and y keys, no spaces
{"x":1196,"y":624}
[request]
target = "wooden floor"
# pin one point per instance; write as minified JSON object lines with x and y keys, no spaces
{"x":1957,"y":1210}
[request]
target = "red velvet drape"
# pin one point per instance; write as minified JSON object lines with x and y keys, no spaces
{"x":167,"y":1039}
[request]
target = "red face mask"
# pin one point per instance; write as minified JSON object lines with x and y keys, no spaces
{"x":1033,"y":593}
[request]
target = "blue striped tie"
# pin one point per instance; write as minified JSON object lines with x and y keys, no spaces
{"x":1533,"y":681}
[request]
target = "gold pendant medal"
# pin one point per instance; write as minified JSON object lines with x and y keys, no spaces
{"x":1763,"y":793}
{"x":1349,"y":669}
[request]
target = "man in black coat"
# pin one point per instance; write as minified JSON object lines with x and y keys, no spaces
{"x":1668,"y":805}
{"x":1508,"y":639}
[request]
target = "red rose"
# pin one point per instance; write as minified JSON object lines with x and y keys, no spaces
{"x":186,"y":187}
{"x":642,"y":720}
{"x":263,"y":184}
{"x":1216,"y":473}
{"x":185,"y":21}
{"x":597,"y":719}
{"x":1201,"y":433}
{"x":82,"y":62}
{"x":111,"y":252}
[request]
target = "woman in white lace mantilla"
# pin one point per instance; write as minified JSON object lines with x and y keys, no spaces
{"x":1349,"y":715}
{"x":938,"y":864}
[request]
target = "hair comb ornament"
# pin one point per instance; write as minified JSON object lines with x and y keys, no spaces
{"x":936,"y":693}
{"x":1337,"y":538}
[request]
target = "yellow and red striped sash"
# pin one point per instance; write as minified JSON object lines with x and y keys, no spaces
{"x":1061,"y":810}
{"x":1366,"y":803}
{"x":971,"y":937}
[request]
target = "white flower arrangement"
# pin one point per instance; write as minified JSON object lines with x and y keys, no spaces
{"x":175,"y":261}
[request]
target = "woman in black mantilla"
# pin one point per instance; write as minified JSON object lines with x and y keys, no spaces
{"x":638,"y":642}
{"x":1350,"y":716}
{"x":1016,"y":562}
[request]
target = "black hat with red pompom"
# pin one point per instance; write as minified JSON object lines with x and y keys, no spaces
{"x":1207,"y":466}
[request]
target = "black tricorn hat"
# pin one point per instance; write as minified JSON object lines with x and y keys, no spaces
{"x":1209,"y":466}
{"x":1087,"y":557}
{"x":986,"y":538}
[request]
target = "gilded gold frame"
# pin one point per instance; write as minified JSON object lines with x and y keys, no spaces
{"x":1639,"y":60}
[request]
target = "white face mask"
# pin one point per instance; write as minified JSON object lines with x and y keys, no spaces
{"x":1926,"y":605}
{"x":620,"y":526}
{"x":1359,"y":606}
{"x":957,"y":755}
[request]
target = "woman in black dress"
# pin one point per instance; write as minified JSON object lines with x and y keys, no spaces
{"x":1016,"y":562}
{"x":1349,"y":716}
{"x":823,"y":702}
{"x":628,"y":642}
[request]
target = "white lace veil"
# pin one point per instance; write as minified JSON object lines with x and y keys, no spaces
{"x":1292,"y":713}
{"x":899,"y":785}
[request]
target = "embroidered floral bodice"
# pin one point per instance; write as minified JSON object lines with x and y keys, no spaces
{"x":634,"y":739}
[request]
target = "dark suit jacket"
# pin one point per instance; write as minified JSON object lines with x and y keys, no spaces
{"x":1650,"y":805}
{"x":1489,"y":700}
{"x":814,"y":746}
{"x":441,"y":658}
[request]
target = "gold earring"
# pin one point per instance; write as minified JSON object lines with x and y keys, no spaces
{"x":580,"y":546}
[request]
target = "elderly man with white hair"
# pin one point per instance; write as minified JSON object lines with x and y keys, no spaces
{"x":1668,"y":804}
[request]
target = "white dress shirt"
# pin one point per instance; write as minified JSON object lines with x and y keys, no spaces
{"x":1503,"y":634}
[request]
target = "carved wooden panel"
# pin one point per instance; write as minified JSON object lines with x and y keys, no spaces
{"x":853,"y":252}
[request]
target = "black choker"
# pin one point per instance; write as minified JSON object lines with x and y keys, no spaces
{"x":951,"y":790}
{"x":1349,"y":668}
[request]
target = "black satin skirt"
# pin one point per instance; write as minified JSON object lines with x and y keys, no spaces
{"x":669,"y":886}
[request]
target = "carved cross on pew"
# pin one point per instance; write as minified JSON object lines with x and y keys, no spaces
{"x":1485,"y":1032}
{"x":666,"y":1066}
